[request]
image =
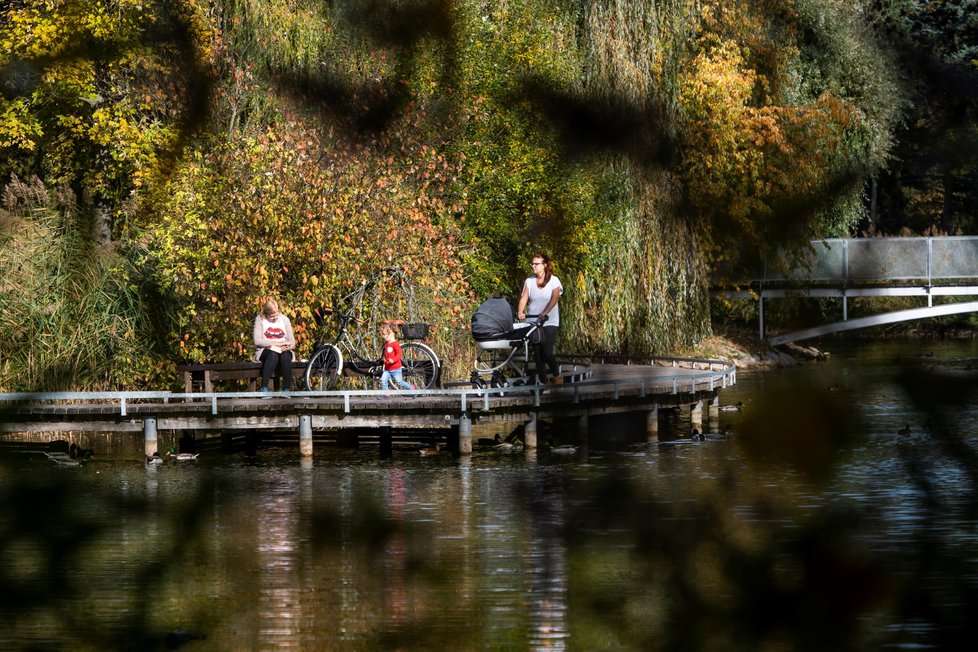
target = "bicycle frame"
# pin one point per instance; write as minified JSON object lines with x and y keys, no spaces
{"x":420,"y":362}
{"x":356,"y":361}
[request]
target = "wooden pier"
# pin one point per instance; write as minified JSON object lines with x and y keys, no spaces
{"x":608,"y":386}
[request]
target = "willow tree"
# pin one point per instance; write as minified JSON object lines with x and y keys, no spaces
{"x":644,"y":285}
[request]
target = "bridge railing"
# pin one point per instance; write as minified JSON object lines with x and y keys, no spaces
{"x":926,"y":267}
{"x":867,"y":260}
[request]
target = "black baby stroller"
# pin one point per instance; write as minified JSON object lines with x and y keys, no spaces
{"x":503,"y":356}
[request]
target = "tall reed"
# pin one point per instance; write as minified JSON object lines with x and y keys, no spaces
{"x":71,"y":312}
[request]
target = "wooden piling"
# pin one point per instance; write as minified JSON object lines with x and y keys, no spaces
{"x":386,"y":442}
{"x":305,"y":435}
{"x":582,"y":430}
{"x":696,"y":415}
{"x":530,"y":433}
{"x":150,"y":441}
{"x":464,"y":435}
{"x":652,"y":424}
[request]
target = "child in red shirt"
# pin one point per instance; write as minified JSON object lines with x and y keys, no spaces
{"x":392,"y":360}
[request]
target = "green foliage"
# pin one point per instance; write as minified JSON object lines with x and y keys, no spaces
{"x":95,"y":93}
{"x":947,"y":25}
{"x":928,"y":186}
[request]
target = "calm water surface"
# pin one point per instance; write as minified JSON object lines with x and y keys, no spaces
{"x":806,"y":521}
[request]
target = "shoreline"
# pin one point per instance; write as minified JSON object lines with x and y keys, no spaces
{"x":755,"y":355}
{"x":743,"y":348}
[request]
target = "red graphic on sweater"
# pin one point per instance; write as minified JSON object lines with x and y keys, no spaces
{"x":275,"y":333}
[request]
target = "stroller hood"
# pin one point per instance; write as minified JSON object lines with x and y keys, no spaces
{"x":493,"y":318}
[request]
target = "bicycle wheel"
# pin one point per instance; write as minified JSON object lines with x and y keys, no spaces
{"x":420,"y":364}
{"x":323,"y":369}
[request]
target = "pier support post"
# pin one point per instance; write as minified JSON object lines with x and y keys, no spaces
{"x":696,"y":415}
{"x":464,"y":435}
{"x":713,"y":417}
{"x":386,"y":442}
{"x":150,"y":442}
{"x":581,"y":429}
{"x":305,"y":435}
{"x":530,"y":433}
{"x":652,"y":424}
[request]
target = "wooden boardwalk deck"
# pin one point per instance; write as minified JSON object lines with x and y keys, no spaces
{"x":598,"y":389}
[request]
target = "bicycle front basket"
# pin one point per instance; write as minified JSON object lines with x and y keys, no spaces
{"x":415,"y":331}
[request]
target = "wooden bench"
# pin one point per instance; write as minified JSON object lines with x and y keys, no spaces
{"x":197,"y":377}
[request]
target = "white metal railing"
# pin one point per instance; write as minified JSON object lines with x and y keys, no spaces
{"x":122,"y":398}
{"x":842,"y":268}
{"x":705,"y":379}
{"x":923,"y":259}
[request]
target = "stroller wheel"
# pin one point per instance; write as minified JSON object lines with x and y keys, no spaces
{"x":476,"y":380}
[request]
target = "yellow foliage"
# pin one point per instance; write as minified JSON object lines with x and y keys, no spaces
{"x":746,"y":151}
{"x":303,"y":230}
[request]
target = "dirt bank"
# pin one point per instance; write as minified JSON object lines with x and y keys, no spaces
{"x":748,"y":352}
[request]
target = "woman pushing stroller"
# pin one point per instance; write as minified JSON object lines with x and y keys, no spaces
{"x":540,"y":298}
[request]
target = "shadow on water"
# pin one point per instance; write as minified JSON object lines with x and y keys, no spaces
{"x":818,"y":524}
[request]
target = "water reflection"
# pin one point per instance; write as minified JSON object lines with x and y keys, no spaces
{"x":281,"y":581}
{"x":685,"y":543}
{"x":545,"y":564}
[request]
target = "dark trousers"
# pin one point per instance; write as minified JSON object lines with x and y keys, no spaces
{"x":543,"y":353}
{"x":272,"y":362}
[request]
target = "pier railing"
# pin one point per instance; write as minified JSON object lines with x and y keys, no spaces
{"x":927,"y":261}
{"x":712,"y":374}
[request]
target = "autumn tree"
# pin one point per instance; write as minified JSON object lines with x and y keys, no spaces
{"x":99,"y":96}
{"x":784,"y":122}
{"x":285,"y":215}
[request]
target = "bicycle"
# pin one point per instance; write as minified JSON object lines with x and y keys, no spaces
{"x":420,"y":364}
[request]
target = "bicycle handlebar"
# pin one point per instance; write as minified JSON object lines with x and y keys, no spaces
{"x":345,"y":316}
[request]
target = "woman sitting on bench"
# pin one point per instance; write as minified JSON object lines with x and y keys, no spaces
{"x":274,"y":341}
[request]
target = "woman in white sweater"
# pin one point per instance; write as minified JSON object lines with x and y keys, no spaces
{"x":274,"y":341}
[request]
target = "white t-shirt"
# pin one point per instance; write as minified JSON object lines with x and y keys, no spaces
{"x":540,"y":297}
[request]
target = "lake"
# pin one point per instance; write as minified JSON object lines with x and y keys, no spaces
{"x":835,"y":511}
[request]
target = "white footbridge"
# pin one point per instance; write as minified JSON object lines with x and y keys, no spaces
{"x":942,"y":271}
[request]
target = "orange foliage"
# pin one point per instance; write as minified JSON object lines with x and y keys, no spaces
{"x":748,"y":153}
{"x":295,"y":215}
